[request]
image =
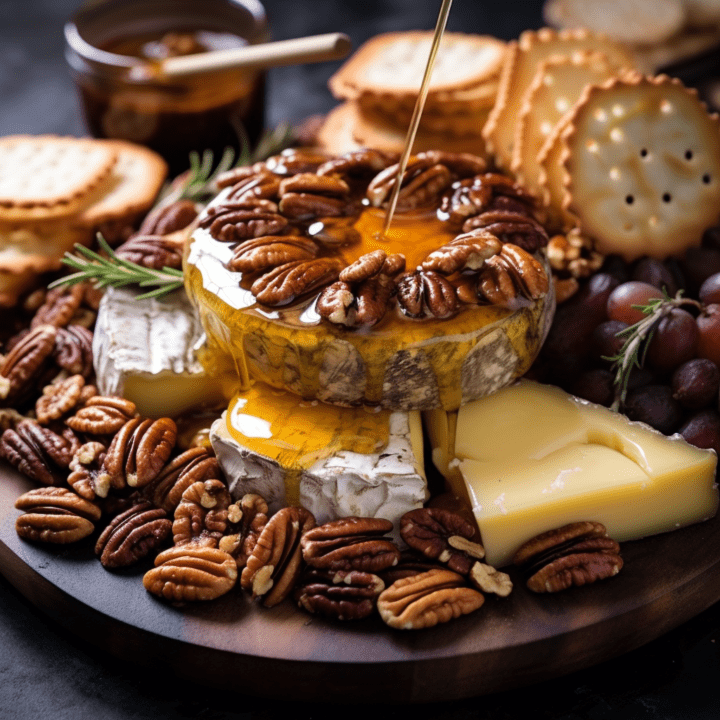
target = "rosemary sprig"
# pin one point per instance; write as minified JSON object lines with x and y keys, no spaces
{"x":117,"y":272}
{"x":638,"y":338}
{"x":198,"y":184}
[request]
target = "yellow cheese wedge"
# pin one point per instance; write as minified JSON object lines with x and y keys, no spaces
{"x":534,"y":458}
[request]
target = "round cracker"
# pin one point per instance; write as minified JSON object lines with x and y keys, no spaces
{"x":642,"y":166}
{"x":519,"y":67}
{"x":557,"y":86}
{"x":394,"y":64}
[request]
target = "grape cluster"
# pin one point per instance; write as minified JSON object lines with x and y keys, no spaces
{"x":676,"y":388}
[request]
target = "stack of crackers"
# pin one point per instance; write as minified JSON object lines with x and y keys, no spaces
{"x":379,"y":85}
{"x":58,"y":191}
{"x":631,"y":161}
{"x":660,"y":32}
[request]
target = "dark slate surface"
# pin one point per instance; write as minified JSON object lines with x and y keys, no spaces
{"x":47,"y":673}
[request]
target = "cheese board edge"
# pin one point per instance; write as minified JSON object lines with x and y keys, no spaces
{"x":667,"y":580}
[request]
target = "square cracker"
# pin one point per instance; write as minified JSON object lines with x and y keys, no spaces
{"x":45,"y":176}
{"x":519,"y":67}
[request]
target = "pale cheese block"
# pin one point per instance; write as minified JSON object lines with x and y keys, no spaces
{"x":401,"y":364}
{"x":335,"y":462}
{"x":534,"y":458}
{"x":148,"y":352}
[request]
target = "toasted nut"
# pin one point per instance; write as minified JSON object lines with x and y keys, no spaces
{"x":132,"y":535}
{"x":351,"y":543}
{"x":364,"y":267}
{"x":55,"y":515}
{"x":191,"y":572}
{"x":275,"y":562}
{"x":341,"y":595}
{"x":102,"y":415}
{"x":575,"y":554}
{"x":489,"y":580}
{"x":267,"y":253}
{"x":246,"y":520}
{"x":201,"y":516}
{"x":58,"y":399}
{"x":285,"y":283}
{"x":424,"y":600}
{"x":152,"y":251}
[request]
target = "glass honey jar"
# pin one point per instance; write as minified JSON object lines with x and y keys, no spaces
{"x":112,"y":47}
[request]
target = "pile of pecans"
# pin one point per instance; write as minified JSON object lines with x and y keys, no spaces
{"x":270,"y":207}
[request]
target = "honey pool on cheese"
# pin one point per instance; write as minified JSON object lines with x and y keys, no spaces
{"x":398,"y":364}
{"x":533,"y":458}
{"x":333,"y":461}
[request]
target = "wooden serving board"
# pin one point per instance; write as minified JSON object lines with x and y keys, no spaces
{"x":232,"y":642}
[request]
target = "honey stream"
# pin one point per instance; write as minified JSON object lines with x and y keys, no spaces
{"x":417,"y":112}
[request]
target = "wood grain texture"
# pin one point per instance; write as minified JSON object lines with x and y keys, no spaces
{"x":508,"y":643}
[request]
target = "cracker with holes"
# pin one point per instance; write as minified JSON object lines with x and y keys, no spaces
{"x":557,"y":86}
{"x":642,"y":163}
{"x":519,"y":67}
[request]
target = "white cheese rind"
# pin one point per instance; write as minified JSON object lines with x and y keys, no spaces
{"x":386,"y":484}
{"x":146,"y":351}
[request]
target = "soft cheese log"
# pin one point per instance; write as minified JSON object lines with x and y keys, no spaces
{"x":534,"y":458}
{"x":333,"y":461}
{"x":147,"y":351}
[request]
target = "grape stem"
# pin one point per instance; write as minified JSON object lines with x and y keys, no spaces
{"x":638,"y":337}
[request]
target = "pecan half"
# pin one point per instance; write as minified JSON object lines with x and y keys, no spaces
{"x":137,"y":454}
{"x":275,"y":562}
{"x":55,"y":515}
{"x":58,"y":399}
{"x":234,"y":221}
{"x":461,"y":165}
{"x":102,"y":415}
{"x":510,"y":275}
{"x":73,"y":350}
{"x":292,"y":161}
{"x":489,"y":580}
{"x":424,"y":600}
{"x":285,"y":283}
{"x":132,"y":535}
{"x":575,"y":554}
{"x":246,"y":520}
{"x":307,"y":206}
{"x":169,"y":218}
{"x":85,"y":467}
{"x":38,"y":452}
{"x":510,"y":227}
{"x":61,"y":304}
{"x":325,"y":185}
{"x":574,"y":254}
{"x":341,"y":595}
{"x":422,"y":183}
{"x":351,"y":543}
{"x":201,"y":516}
{"x":191,"y":572}
{"x":196,"y":464}
{"x":424,"y":293}
{"x":410,"y":563}
{"x":152,"y":251}
{"x":358,"y":163}
{"x":25,"y":363}
{"x":442,"y":535}
{"x":269,"y":252}
{"x":468,"y":251}
{"x":364,"y":267}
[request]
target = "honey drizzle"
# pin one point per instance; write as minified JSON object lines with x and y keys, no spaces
{"x":417,"y":112}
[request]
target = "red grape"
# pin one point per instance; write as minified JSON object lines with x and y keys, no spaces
{"x":709,"y":326}
{"x":655,"y":273}
{"x":696,"y":383}
{"x":703,"y":430}
{"x":622,"y":298}
{"x":675,"y":340}
{"x":710,"y":290}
